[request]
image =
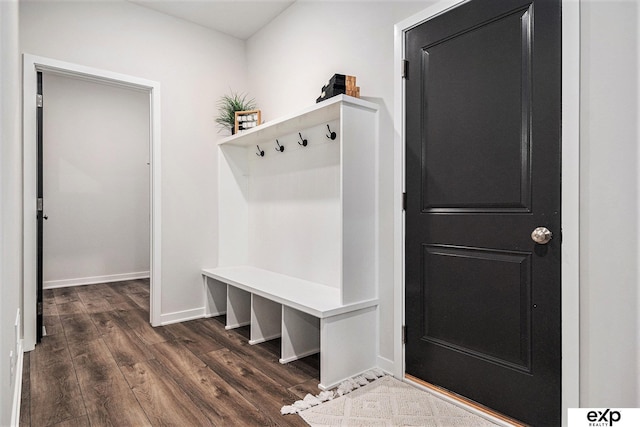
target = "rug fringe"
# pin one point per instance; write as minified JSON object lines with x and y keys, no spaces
{"x":345,"y":387}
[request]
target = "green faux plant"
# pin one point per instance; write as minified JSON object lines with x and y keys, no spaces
{"x":228,"y":105}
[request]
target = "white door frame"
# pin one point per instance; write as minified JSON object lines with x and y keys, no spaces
{"x":31,"y":65}
{"x":570,"y":220}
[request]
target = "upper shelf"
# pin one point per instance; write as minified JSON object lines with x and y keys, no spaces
{"x":322,"y":112}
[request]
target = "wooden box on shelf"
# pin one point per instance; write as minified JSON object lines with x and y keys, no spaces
{"x":245,"y":120}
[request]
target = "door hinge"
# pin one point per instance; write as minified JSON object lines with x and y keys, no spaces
{"x":39,"y":308}
{"x":405,"y":69}
{"x":404,"y":334}
{"x":39,"y":101}
{"x":39,"y":204}
{"x":404,"y":201}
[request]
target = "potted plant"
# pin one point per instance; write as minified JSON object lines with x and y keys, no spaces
{"x":227,"y":107}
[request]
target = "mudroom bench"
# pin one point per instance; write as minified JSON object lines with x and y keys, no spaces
{"x":307,"y":316}
{"x":298,"y":235}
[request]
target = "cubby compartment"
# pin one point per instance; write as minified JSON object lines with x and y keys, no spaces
{"x":266,"y":319}
{"x":238,"y":307}
{"x":300,"y":335}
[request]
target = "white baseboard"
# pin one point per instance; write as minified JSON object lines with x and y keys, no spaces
{"x":64,"y":283}
{"x":182,"y":316}
{"x":17,"y":388}
{"x":386,"y":365}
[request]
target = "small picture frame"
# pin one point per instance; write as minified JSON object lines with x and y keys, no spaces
{"x":246,"y":120}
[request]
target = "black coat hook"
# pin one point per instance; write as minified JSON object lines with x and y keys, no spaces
{"x":280,"y":147}
{"x":260,"y":152}
{"x":302,"y":141}
{"x":332,"y":135}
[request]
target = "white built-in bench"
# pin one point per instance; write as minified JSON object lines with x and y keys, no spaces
{"x":297,"y":199}
{"x":308,"y":316}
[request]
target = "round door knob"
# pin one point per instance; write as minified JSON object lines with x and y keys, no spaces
{"x":541,"y":235}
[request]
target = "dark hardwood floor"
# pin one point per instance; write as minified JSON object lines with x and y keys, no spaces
{"x":101,"y":363}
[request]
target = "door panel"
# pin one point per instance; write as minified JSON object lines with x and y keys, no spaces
{"x":483,"y":170}
{"x":491,"y":307}
{"x":451,"y":70}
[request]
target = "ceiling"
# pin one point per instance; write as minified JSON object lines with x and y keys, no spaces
{"x":238,"y":18}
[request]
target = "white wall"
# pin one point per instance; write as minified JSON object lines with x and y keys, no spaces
{"x":290,"y":60}
{"x":610,"y":359}
{"x":10,"y":205}
{"x":96,"y":182}
{"x":195,"y":66}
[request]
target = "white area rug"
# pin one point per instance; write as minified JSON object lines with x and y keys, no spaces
{"x":389,"y":402}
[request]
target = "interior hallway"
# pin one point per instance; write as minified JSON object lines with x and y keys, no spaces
{"x":102,"y":363}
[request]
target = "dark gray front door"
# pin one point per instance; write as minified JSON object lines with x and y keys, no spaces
{"x":482,"y":172}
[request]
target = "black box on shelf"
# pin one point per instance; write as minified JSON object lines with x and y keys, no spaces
{"x":339,"y":84}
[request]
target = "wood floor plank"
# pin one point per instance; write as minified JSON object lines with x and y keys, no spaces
{"x":133,"y":315}
{"x":150,"y":335}
{"x":220,"y":403}
{"x":304,"y":388}
{"x":89,"y":293}
{"x":107,"y":396}
{"x":287,"y":375}
{"x":164,"y":402}
{"x":125,"y":305}
{"x":140,"y":286}
{"x":49,"y":307}
{"x":141,"y":300}
{"x":94,"y":362}
{"x":263,"y":392}
{"x":111,"y":402}
{"x":82,"y":421}
{"x":111,"y":293}
{"x":176,"y":358}
{"x":97,"y":306}
{"x":79,"y":329}
{"x":71,"y":307}
{"x":107,"y":320}
{"x":50,"y":351}
{"x":25,"y":397}
{"x":126,"y":347}
{"x":65,"y":295}
{"x":52,"y":325}
{"x":55,"y":395}
{"x":194,"y":337}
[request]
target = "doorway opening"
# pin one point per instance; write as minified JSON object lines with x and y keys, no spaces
{"x":94,"y":183}
{"x":34,"y":65}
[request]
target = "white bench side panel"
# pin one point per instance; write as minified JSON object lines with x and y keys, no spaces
{"x":348,"y":346}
